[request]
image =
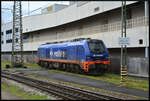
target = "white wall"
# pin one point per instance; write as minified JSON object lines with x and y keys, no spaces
{"x":4,"y":46}
{"x":89,"y":28}
{"x":109,"y":38}
{"x":66,"y":15}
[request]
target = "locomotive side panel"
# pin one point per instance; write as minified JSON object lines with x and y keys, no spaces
{"x":84,"y":55}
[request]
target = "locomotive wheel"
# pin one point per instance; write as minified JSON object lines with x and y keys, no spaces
{"x":63,"y":66}
{"x":39,"y":63}
{"x":60,"y":66}
{"x":68,"y":68}
{"x":46,"y":64}
{"x":72,"y":67}
{"x":77,"y":69}
{"x":42,"y":63}
{"x":53,"y":65}
{"x":50,"y":65}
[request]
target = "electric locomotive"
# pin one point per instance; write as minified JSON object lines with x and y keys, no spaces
{"x":84,"y":55}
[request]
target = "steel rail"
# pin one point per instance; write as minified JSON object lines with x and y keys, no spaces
{"x":32,"y":84}
{"x":63,"y":91}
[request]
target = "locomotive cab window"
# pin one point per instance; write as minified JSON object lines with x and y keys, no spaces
{"x":96,"y":46}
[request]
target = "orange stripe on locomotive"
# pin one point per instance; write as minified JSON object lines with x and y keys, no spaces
{"x":85,"y":65}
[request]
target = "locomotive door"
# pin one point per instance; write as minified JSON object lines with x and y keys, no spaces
{"x":80,"y":53}
{"x":63,"y":54}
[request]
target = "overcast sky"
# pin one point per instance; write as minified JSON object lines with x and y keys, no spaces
{"x":7,"y":14}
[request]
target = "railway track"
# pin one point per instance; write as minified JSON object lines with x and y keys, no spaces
{"x":62,"y":91}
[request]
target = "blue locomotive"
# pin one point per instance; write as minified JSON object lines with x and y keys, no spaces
{"x":79,"y":55}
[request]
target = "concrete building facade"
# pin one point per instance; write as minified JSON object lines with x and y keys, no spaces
{"x":100,"y":20}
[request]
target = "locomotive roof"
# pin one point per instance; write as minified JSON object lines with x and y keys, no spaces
{"x":63,"y":44}
{"x":73,"y":42}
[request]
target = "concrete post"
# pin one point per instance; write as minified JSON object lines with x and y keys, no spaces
{"x":147,"y":34}
{"x":28,"y":8}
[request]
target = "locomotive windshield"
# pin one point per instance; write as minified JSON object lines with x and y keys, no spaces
{"x":96,"y":46}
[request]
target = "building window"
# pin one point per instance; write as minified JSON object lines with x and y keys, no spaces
{"x":9,"y":36}
{"x":25,"y":36}
{"x":2,"y":36}
{"x":9,"y":41}
{"x":96,"y":9}
{"x":141,"y":41}
{"x":9,"y":31}
{"x":16,"y":29}
{"x":16,"y":40}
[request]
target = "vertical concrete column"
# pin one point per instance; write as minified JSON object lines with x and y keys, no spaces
{"x":28,"y":8}
{"x":147,"y":33}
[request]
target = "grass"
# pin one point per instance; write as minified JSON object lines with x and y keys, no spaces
{"x":19,"y":92}
{"x":111,"y":78}
{"x":3,"y":63}
{"x":29,"y":65}
{"x":32,"y":65}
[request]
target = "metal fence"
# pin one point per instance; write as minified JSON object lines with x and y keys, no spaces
{"x":130,"y":23}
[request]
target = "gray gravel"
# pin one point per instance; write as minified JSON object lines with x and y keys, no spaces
{"x":7,"y":96}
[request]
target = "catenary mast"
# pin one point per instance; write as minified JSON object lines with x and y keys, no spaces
{"x":17,"y":38}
